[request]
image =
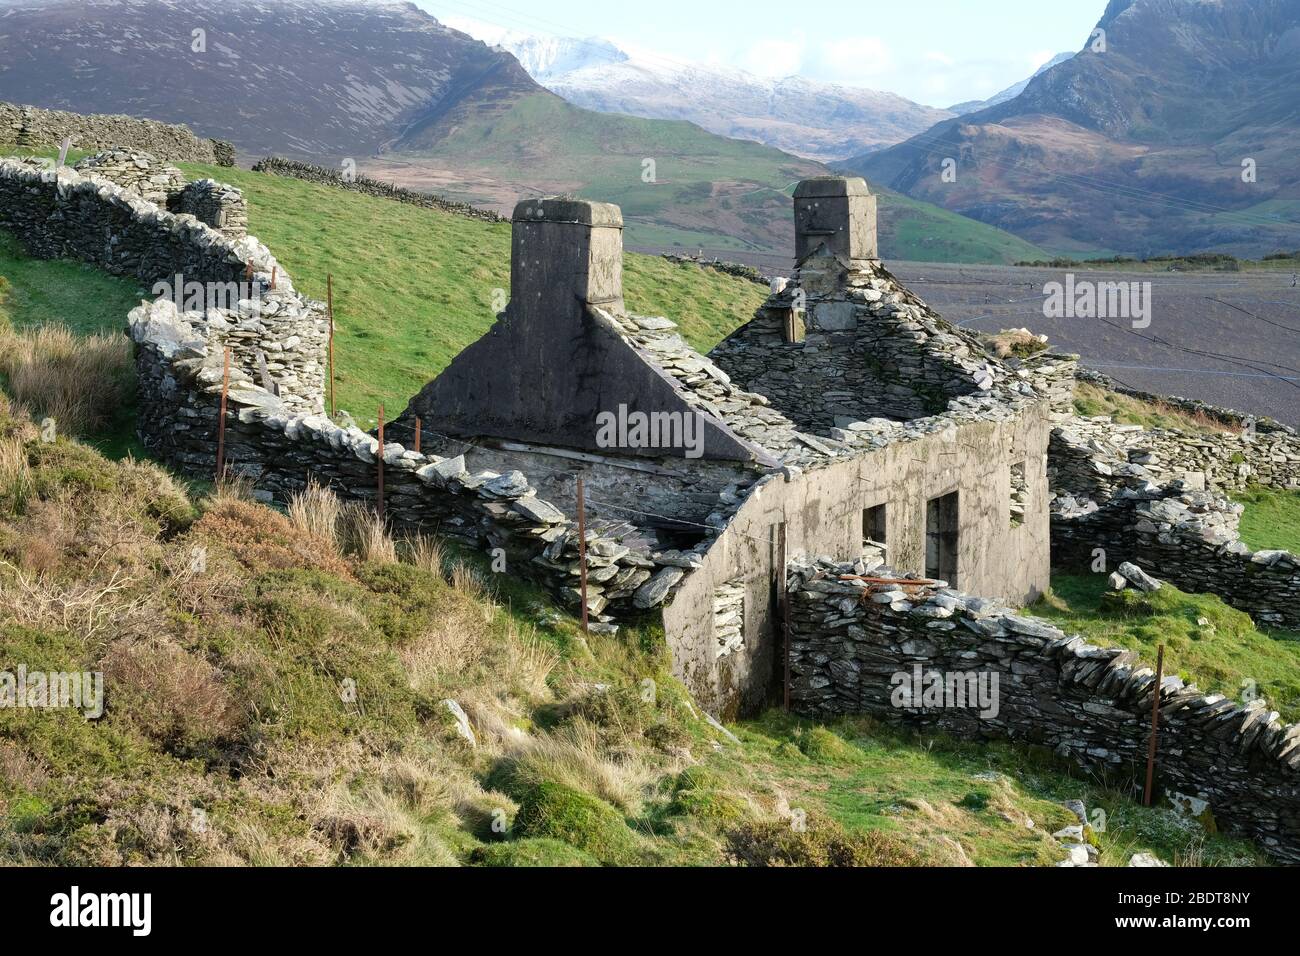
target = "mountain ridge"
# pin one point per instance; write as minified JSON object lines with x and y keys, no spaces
{"x":1138,"y":147}
{"x":810,"y":119}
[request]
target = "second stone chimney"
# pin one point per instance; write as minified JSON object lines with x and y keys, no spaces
{"x":837,"y":214}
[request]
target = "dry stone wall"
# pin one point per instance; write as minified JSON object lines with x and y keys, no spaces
{"x":1156,"y":498}
{"x":215,"y":204}
{"x":932,"y":658}
{"x":280,"y":448}
{"x":32,"y":126}
{"x":136,"y":172}
{"x":277,"y":433}
{"x":1190,"y":538}
{"x":60,"y":214}
{"x":212,"y":203}
{"x":371,"y":187}
{"x":1100,"y":452}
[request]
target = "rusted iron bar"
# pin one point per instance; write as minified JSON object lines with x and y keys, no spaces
{"x":329,"y":297}
{"x":903,"y":581}
{"x":221,"y":420}
{"x":1155,"y":726}
{"x":379,"y":505}
{"x":784,"y":592}
{"x":418,"y":424}
{"x":582,"y":550}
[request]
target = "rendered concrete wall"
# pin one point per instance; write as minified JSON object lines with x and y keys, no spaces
{"x":822,"y":512}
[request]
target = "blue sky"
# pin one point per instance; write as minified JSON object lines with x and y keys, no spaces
{"x":932,"y":51}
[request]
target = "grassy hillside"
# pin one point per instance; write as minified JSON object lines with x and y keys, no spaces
{"x":281,"y":702}
{"x":918,"y":231}
{"x":44,"y":292}
{"x":1271,"y":520}
{"x":708,"y":191}
{"x":1205,"y":640}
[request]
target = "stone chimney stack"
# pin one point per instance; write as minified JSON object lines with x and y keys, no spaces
{"x":839,"y":213}
{"x":566,"y":252}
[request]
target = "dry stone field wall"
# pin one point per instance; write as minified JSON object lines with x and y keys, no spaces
{"x":31,"y":126}
{"x":1187,"y":537}
{"x":60,"y":214}
{"x":215,"y":204}
{"x":277,"y":432}
{"x":281,"y":446}
{"x":136,"y":172}
{"x":862,"y":648}
{"x":371,"y":187}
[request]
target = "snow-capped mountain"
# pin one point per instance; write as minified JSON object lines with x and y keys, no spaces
{"x":1010,"y":93}
{"x":815,"y":120}
{"x":549,"y":57}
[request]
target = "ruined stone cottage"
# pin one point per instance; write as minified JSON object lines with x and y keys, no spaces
{"x":845,"y":419}
{"x":846,"y":428}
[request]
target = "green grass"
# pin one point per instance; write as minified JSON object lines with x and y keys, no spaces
{"x":922,"y":232}
{"x":1227,"y":654}
{"x":39,"y":292}
{"x":1271,"y":520}
{"x":237,"y":712}
{"x":61,"y":292}
{"x":957,"y":802}
{"x":1092,"y":401}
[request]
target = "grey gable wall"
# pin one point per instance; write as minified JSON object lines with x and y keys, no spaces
{"x":555,"y":359}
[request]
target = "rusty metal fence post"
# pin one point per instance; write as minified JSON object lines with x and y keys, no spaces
{"x":329,"y":300}
{"x":582,"y":551}
{"x":379,"y":504}
{"x":221,"y":420}
{"x":783,"y":590}
{"x":1155,"y":726}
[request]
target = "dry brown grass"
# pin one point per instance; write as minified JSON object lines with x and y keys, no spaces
{"x":442,"y":652}
{"x":468,"y":581}
{"x":16,"y":484}
{"x":426,"y":553}
{"x":315,"y":511}
{"x":528,"y":665}
{"x":1018,"y":342}
{"x":578,"y":756}
{"x":172,"y":695}
{"x":20,"y":769}
{"x":366,"y":536}
{"x":264,"y":539}
{"x":79,"y":382}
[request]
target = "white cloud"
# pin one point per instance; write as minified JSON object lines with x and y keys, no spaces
{"x":849,"y":60}
{"x":774,"y":57}
{"x":938,"y":56}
